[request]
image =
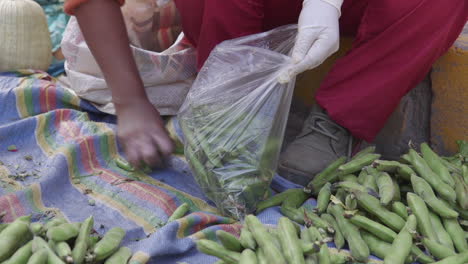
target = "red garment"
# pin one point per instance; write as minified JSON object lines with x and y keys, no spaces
{"x":396,"y":43}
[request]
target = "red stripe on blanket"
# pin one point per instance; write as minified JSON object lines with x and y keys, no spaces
{"x":11,"y":205}
{"x":153,"y":195}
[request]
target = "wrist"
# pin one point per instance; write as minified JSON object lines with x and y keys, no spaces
{"x":335,"y":3}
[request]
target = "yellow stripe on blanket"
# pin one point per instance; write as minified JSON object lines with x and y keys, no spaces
{"x":139,"y":258}
{"x":37,"y":200}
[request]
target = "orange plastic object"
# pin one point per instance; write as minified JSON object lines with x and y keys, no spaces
{"x":449,"y":120}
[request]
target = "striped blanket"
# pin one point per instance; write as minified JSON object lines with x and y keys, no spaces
{"x":58,"y":152}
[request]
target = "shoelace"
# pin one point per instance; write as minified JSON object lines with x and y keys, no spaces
{"x":317,"y":124}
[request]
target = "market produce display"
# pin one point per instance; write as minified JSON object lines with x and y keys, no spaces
{"x":412,"y":210}
{"x":57,"y":241}
{"x":60,"y":242}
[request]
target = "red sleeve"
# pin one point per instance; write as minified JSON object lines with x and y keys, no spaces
{"x":71,"y":5}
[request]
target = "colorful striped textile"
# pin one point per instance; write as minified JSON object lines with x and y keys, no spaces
{"x":58,"y":152}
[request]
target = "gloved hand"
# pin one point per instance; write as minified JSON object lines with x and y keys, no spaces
{"x":318,"y":36}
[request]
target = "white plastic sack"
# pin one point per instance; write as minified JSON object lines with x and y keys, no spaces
{"x":235,"y":116}
{"x":167,"y":75}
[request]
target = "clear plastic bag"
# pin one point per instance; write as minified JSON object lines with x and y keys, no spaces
{"x":234,"y":119}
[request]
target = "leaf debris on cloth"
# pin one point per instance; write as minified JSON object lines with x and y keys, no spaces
{"x":28,"y":157}
{"x":12,"y":148}
{"x":120,"y":181}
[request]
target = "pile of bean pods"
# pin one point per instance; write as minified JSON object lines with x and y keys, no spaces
{"x":60,"y":242}
{"x":411,"y":210}
{"x":260,"y":244}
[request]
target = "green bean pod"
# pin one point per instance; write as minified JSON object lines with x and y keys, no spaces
{"x":290,"y":241}
{"x":310,"y":248}
{"x":246,"y":239}
{"x":337,"y":257}
{"x":180,"y":212}
{"x":456,"y":233}
{"x":386,"y":165}
{"x":214,"y":249}
{"x":296,"y":200}
{"x":375,"y":228}
{"x":358,"y":163}
{"x":3,"y":226}
{"x":424,"y":190}
{"x":264,"y":240}
{"x":358,"y":247}
{"x":361,"y":176}
{"x":372,"y":205}
{"x":121,"y":256}
{"x":451,"y":167}
{"x":464,"y":173}
{"x":423,"y":169}
{"x":338,"y":236}
{"x":319,"y":222}
{"x":420,"y":210}
{"x":461,"y":189}
{"x":405,"y":172}
{"x":311,"y":259}
{"x":229,"y":241}
{"x":323,"y":198}
{"x":109,"y":243}
{"x":292,"y":213}
{"x":54,"y":222}
{"x":63,"y":232}
{"x":324,"y":255}
{"x":370,"y":182}
{"x":277,"y":199}
{"x":36,"y":228}
{"x":39,"y":257}
{"x":367,"y":150}
{"x":379,"y":248}
{"x":401,"y":246}
{"x":442,"y":235}
{"x":248,"y":257}
{"x":349,"y":177}
{"x":329,"y":174}
{"x":341,"y":195}
{"x":124,"y":165}
{"x":350,"y":202}
{"x":437,"y":250}
{"x":461,"y":258}
{"x":39,"y":243}
{"x":400,"y":209}
{"x":315,"y":234}
{"x":305,"y":236}
{"x":261,"y":258}
{"x":22,"y":255}
{"x":397,"y":192}
{"x":435,"y":163}
{"x":82,"y":243}
{"x":405,"y":158}
{"x":420,"y":256}
{"x":9,"y":241}
{"x":386,"y":188}
{"x":352,"y":186}
{"x":64,"y":251}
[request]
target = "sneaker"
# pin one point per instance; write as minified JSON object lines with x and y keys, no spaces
{"x":320,"y":142}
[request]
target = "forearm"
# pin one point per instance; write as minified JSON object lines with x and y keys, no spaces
{"x":103,"y":28}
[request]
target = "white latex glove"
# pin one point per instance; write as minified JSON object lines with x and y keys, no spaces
{"x":318,"y":36}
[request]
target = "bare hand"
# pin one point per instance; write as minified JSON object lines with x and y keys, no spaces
{"x":142,"y":133}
